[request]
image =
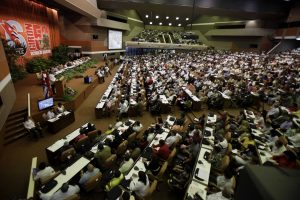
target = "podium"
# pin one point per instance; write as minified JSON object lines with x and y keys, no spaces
{"x":60,"y":87}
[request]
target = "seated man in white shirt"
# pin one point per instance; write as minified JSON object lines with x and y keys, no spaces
{"x":33,"y":129}
{"x":91,"y":171}
{"x":123,"y":107}
{"x":127,"y":164}
{"x":173,"y":138}
{"x":44,"y":172}
{"x":65,"y":191}
{"x":51,"y":114}
{"x":137,"y":127}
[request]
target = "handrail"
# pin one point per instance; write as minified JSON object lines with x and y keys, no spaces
{"x":28,"y":105}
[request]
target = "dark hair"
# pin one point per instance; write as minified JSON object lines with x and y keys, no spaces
{"x":42,"y":165}
{"x":100,"y":146}
{"x":117,"y":173}
{"x":161,"y":142}
{"x":125,"y":196}
{"x":59,"y":104}
{"x":143,"y":177}
{"x":228,"y":173}
{"x":126,"y":157}
{"x":64,"y":188}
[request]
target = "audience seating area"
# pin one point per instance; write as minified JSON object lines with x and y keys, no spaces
{"x":197,"y":157}
{"x":175,"y":37}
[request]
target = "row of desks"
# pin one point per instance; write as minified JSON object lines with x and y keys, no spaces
{"x":201,"y":172}
{"x":75,"y":168}
{"x":100,"y":107}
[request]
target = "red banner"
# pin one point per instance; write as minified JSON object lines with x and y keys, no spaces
{"x":28,"y":39}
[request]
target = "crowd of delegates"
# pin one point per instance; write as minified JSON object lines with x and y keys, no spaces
{"x":157,"y":36}
{"x":219,"y":76}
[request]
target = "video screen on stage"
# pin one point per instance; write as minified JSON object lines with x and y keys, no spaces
{"x":45,"y":103}
{"x":114,"y":39}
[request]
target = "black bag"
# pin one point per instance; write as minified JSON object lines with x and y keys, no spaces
{"x":48,"y":186}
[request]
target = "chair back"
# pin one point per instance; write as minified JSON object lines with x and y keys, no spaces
{"x":225,"y":163}
{"x":140,"y":135}
{"x":93,"y":182}
{"x":110,"y":161}
{"x":122,"y":148}
{"x":229,"y":149}
{"x":131,"y":137}
{"x":228,"y":136}
{"x":67,"y":154}
{"x":162,"y":170}
{"x":92,"y":135}
{"x":73,"y":197}
{"x":171,"y":156}
{"x":152,"y":188}
{"x":81,"y":142}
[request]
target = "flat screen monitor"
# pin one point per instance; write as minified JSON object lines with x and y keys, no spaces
{"x":45,"y":103}
{"x":114,"y":39}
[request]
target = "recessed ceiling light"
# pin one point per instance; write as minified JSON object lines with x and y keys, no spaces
{"x":160,"y":23}
{"x":170,"y":24}
{"x":167,"y":17}
{"x":187,"y":19}
{"x":179,"y":24}
{"x":150,"y":22}
{"x":147,"y":16}
{"x":177,"y":18}
{"x":156,"y":16}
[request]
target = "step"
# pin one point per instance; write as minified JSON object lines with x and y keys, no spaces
{"x":12,"y":139}
{"x":13,"y":127}
{"x":14,"y":117}
{"x":18,"y":121}
{"x":16,"y":132}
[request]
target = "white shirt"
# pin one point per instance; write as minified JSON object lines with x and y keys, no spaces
{"x":52,"y":78}
{"x":59,"y":195}
{"x":29,"y":124}
{"x":150,"y":137}
{"x":126,"y":166}
{"x":216,"y":196}
{"x":44,"y":174}
{"x":87,"y":175}
{"x":137,"y":128}
{"x":172,"y":139}
{"x":50,"y":115}
{"x":138,"y":187}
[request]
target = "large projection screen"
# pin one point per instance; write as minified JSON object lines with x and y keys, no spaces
{"x":114,"y":39}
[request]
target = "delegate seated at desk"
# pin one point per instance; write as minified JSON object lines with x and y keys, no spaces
{"x":33,"y":128}
{"x":60,"y":108}
{"x":85,"y":176}
{"x":65,"y":192}
{"x":140,"y":185}
{"x":44,"y":172}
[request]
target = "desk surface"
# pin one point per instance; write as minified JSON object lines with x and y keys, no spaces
{"x":31,"y":185}
{"x":70,"y":173}
{"x":196,"y":188}
{"x":58,"y":116}
{"x":58,"y":144}
{"x":203,"y":166}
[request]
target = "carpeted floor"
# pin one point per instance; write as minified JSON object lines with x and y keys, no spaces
{"x":16,"y":158}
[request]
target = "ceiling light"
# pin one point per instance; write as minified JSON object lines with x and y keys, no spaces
{"x":150,"y":22}
{"x":156,"y":16}
{"x":167,"y":17}
{"x":170,"y":24}
{"x":147,"y":16}
{"x":179,"y":24}
{"x":160,"y":23}
{"x":177,"y":18}
{"x":187,"y":19}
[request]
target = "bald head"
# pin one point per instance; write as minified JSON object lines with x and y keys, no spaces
{"x":90,"y":167}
